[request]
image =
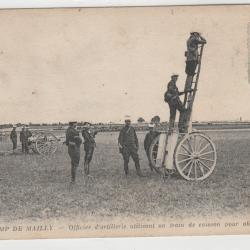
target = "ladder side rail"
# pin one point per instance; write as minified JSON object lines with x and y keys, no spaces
{"x":192,"y":94}
{"x":197,"y":78}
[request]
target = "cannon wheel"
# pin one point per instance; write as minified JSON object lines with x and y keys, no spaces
{"x":195,"y":156}
{"x":46,"y":144}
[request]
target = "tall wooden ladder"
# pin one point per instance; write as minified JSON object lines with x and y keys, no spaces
{"x":191,"y":82}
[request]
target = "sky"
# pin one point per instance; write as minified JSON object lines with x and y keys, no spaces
{"x":101,"y":64}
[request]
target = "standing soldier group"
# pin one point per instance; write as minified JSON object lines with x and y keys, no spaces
{"x":74,"y":141}
{"x":25,"y":134}
{"x":127,"y":142}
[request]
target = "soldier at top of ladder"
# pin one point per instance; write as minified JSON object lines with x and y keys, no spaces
{"x":193,"y":56}
{"x":195,"y":44}
{"x":192,"y":53}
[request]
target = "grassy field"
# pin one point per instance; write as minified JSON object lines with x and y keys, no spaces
{"x":33,"y":187}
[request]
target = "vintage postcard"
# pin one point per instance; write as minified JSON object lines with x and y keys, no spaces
{"x":129,"y":121}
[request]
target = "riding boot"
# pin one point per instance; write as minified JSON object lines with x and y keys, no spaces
{"x":126,"y":168}
{"x":86,"y":168}
{"x":138,"y":169}
{"x":73,"y":173}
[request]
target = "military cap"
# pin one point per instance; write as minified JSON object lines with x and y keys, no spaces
{"x":86,"y":124}
{"x":194,"y":33}
{"x":174,"y":75}
{"x":127,"y":118}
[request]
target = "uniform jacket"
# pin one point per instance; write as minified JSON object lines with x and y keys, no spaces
{"x":172,"y":92}
{"x":192,"y":47}
{"x":128,"y":137}
{"x":22,"y":135}
{"x":27,"y":135}
{"x":89,"y":138}
{"x":71,"y":135}
{"x":13,"y":135}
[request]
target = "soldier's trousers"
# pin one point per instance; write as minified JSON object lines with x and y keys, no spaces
{"x":14,"y":142}
{"x":177,"y":105}
{"x":74,"y":154}
{"x":149,"y":160}
{"x":128,"y":151}
{"x":191,"y":67}
{"x":26,"y":147}
{"x":23,"y":147}
{"x":89,"y":150}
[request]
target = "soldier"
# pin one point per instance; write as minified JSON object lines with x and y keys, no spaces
{"x":13,"y":137}
{"x":27,"y":135}
{"x":171,"y":96}
{"x":150,"y":136}
{"x":128,"y":146}
{"x":88,"y":134}
{"x":22,"y":140}
{"x":73,"y":141}
{"x":192,"y":52}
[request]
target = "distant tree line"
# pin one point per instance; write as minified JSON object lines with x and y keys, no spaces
{"x":156,"y":119}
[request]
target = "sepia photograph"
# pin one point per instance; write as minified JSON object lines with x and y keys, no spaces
{"x":126,"y":121}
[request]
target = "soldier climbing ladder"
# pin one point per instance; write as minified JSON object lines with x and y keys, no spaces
{"x":195,"y":46}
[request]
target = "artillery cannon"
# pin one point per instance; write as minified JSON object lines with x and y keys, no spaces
{"x":43,"y":143}
{"x":191,"y":153}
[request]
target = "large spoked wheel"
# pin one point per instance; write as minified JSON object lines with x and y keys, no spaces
{"x":153,"y":150}
{"x":46,"y":144}
{"x":195,"y":156}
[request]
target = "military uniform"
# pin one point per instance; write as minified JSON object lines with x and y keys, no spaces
{"x":27,"y":135}
{"x":192,"y":53}
{"x":129,"y":147}
{"x":22,"y":140}
{"x":13,"y":137}
{"x":150,"y":136}
{"x":73,"y":142}
{"x":89,"y":147}
{"x":172,"y":98}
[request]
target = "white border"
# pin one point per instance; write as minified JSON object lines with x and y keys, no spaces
{"x":160,"y":243}
{"x":239,"y":242}
{"x":4,"y":4}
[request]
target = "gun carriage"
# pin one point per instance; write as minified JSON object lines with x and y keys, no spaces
{"x":43,"y":143}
